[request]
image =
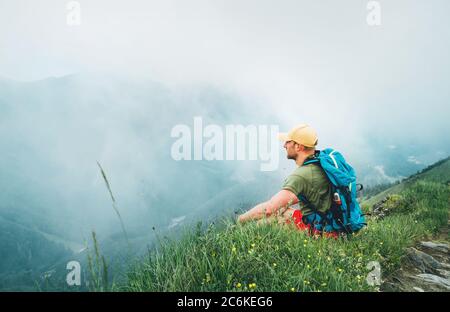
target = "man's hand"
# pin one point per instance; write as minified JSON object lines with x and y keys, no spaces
{"x":282,"y":199}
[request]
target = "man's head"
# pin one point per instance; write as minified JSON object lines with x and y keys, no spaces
{"x":300,"y":141}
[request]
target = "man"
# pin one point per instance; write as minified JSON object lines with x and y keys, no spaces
{"x":309,"y":180}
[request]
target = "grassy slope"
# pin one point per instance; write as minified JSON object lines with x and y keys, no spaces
{"x":438,"y":172}
{"x":274,"y":258}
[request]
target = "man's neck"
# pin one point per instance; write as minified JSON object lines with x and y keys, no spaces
{"x":302,"y":157}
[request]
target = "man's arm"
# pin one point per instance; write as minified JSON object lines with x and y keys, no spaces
{"x":282,"y":199}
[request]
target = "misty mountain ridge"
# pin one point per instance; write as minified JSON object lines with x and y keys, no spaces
{"x":53,"y":131}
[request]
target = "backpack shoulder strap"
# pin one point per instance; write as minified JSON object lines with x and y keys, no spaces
{"x":312,"y":160}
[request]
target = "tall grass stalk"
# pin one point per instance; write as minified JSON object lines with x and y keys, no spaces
{"x":108,"y":186}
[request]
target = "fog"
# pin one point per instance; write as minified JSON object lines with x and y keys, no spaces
{"x":112,"y":88}
{"x":311,"y":60}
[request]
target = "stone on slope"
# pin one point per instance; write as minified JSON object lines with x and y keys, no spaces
{"x":434,"y":279}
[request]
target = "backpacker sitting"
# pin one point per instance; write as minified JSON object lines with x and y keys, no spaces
{"x":324,"y":185}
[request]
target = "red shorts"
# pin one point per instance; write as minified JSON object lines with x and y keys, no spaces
{"x":297,"y":218}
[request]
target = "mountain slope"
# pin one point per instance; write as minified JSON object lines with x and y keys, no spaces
{"x":274,"y":258}
{"x":25,"y":255}
{"x":438,"y":172}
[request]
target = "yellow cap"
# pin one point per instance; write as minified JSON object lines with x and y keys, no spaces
{"x":302,"y":134}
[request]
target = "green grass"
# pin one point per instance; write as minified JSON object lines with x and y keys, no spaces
{"x":229,"y":257}
{"x":392,"y":190}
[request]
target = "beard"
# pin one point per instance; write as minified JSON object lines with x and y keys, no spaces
{"x":288,"y":156}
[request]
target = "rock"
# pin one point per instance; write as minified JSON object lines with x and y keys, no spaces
{"x":434,"y":279}
{"x":423,"y":261}
{"x":436,"y":246}
{"x":384,"y":207}
{"x":418,"y":289}
{"x":444,"y":273}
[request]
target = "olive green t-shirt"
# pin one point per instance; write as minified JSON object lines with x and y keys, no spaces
{"x":310,"y":181}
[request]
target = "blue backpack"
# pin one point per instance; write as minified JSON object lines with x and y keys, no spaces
{"x":344,"y":215}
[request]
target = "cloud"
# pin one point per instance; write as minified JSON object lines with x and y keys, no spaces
{"x":414,"y":160}
{"x":383,"y":177}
